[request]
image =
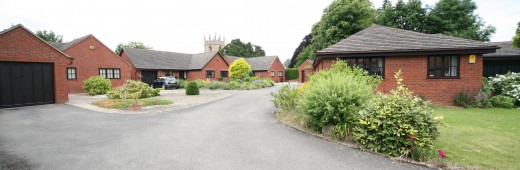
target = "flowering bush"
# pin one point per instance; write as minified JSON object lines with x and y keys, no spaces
{"x":395,"y":123}
{"x":507,"y":84}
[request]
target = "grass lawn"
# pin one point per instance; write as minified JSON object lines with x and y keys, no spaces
{"x":120,"y":104}
{"x":480,"y":138}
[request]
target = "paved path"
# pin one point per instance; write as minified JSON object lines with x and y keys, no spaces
{"x":239,"y":132}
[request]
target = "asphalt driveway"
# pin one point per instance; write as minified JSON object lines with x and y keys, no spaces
{"x":238,"y":132}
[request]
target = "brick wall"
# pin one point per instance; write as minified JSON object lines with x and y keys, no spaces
{"x":414,"y":68}
{"x":217,"y":64}
{"x":89,"y":56}
{"x":307,"y":66}
{"x":18,"y":45}
{"x":276,"y":66}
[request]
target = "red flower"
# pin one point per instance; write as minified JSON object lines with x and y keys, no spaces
{"x":442,"y":154}
{"x":411,"y":137}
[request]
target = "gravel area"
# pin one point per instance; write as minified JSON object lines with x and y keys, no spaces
{"x":179,"y":98}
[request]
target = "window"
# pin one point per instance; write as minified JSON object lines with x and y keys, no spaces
{"x":443,"y":66}
{"x":374,"y":66}
{"x":71,"y":73}
{"x":223,"y":73}
{"x":110,"y":73}
{"x":210,"y":74}
{"x":280,"y":74}
{"x":272,"y":73}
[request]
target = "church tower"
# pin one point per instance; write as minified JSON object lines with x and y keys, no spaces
{"x":214,"y":44}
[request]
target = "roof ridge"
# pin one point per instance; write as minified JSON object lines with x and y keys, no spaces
{"x":26,"y":29}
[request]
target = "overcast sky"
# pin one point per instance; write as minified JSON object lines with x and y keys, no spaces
{"x":180,"y":26}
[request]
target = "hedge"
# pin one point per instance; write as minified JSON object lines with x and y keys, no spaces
{"x":291,"y":73}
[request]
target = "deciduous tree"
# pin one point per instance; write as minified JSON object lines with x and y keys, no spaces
{"x":49,"y":36}
{"x":131,"y":44}
{"x":516,"y":38}
{"x":240,"y":49}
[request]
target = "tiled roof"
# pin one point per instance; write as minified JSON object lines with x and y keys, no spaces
{"x":153,"y":59}
{"x":64,"y":46}
{"x":257,"y":63}
{"x":507,"y":50}
{"x":386,"y":39}
{"x":23,"y":27}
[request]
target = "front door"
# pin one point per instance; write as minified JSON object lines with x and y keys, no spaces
{"x":303,"y":76}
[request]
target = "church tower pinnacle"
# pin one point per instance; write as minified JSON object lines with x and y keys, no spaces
{"x":214,"y":44}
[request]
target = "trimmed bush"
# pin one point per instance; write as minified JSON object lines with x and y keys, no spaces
{"x":192,"y":89}
{"x":387,"y":122}
{"x":336,"y":95}
{"x":503,"y":101}
{"x":291,"y":73}
{"x":96,"y":85}
{"x":134,"y":90}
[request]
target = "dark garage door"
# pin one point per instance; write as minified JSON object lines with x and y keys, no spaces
{"x":25,"y":84}
{"x":148,"y":76}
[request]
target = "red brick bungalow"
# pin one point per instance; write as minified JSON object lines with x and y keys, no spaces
{"x":434,"y":66}
{"x":32,"y":72}
{"x":92,"y":58}
{"x":304,"y":70}
{"x":265,"y":67}
{"x":150,"y":64}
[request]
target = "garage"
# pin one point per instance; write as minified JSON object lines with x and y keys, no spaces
{"x":148,"y":76}
{"x":26,"y":84}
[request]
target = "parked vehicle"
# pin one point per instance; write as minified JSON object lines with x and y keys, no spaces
{"x":165,"y":83}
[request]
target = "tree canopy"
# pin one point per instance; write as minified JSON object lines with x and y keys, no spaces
{"x":305,"y":42}
{"x":239,"y":68}
{"x":340,"y":19}
{"x":516,"y":38}
{"x":409,"y":16}
{"x":131,"y":44}
{"x":49,"y":36}
{"x":343,"y":18}
{"x":240,"y":49}
{"x":457,"y":18}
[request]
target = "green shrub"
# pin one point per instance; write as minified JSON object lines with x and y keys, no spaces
{"x":502,"y":101}
{"x":182,"y":83}
{"x":286,"y":98}
{"x":239,"y":69}
{"x":291,"y":73}
{"x":134,"y":90}
{"x":464,"y":99}
{"x":96,"y":85}
{"x":192,"y":88}
{"x":387,"y":122}
{"x":231,"y":85}
{"x":336,"y":95}
{"x":268,"y":82}
{"x":215,"y":85}
{"x":200,"y":83}
{"x":249,"y":79}
{"x":220,"y":78}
